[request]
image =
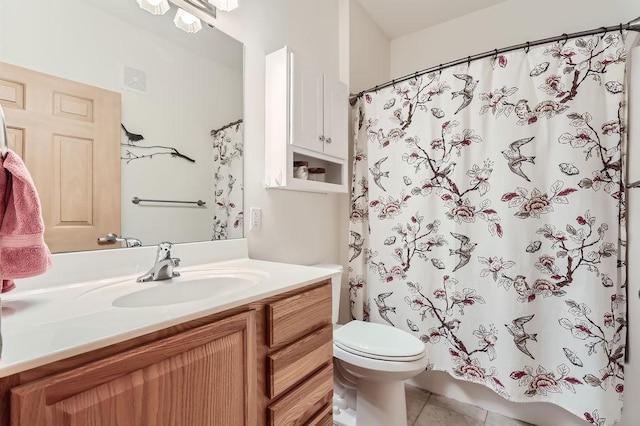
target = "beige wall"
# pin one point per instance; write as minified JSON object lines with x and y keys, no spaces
{"x":369,"y":50}
{"x":298,"y":227}
{"x":505,"y":24}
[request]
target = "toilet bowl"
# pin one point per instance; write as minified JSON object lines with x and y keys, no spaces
{"x":371,"y":361}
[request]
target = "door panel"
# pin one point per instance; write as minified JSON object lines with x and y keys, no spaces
{"x":68,"y":135}
{"x":15,"y":140}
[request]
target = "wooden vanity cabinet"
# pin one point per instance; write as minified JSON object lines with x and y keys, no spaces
{"x":265,"y":363}
{"x":300,"y":359}
{"x":204,"y":376}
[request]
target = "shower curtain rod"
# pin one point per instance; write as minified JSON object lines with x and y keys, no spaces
{"x":226,"y":126}
{"x":633,"y":25}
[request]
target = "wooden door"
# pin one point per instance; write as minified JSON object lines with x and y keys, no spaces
{"x":306,"y":106}
{"x":336,"y":98}
{"x":202,"y":377}
{"x":68,"y":135}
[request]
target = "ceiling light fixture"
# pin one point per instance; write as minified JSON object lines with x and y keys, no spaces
{"x":155,"y":7}
{"x":225,"y":5}
{"x":187,"y":22}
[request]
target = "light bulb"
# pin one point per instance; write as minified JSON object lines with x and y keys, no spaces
{"x":155,"y":7}
{"x":187,"y":22}
{"x":225,"y":5}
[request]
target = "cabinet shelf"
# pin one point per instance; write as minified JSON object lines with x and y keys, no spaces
{"x":306,"y":120}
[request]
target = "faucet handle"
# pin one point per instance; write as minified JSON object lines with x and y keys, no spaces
{"x":165,"y":251}
{"x":132,"y":242}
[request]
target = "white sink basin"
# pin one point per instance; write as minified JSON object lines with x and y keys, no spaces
{"x":189,"y":291}
{"x":190,"y":286}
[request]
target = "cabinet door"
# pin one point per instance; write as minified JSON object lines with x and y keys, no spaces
{"x":336,"y":98}
{"x":306,"y":105}
{"x":202,"y":377}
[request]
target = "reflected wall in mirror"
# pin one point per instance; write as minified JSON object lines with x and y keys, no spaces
{"x":182,"y":92}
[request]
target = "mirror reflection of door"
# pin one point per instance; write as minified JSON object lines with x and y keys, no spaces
{"x":68,"y":135}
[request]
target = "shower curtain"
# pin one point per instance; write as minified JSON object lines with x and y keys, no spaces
{"x":488,"y":219}
{"x":227,"y":183}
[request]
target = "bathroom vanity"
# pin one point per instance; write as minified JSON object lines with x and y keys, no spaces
{"x":259,"y":356}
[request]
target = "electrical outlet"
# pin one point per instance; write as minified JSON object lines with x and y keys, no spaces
{"x":256,"y":218}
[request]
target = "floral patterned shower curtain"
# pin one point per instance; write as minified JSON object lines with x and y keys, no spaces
{"x":488,"y":219}
{"x":228,"y":215}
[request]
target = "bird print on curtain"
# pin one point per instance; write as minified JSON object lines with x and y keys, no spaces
{"x":488,"y":219}
{"x":228,"y":216}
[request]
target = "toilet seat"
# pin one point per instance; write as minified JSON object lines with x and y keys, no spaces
{"x":378,"y":341}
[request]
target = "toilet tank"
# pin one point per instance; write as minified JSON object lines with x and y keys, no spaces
{"x":336,"y":285}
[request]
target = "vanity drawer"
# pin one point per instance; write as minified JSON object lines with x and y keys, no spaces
{"x":298,"y":360}
{"x":295,"y":316}
{"x":323,"y":418}
{"x":311,"y":396}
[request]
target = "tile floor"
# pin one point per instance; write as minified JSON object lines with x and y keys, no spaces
{"x":426,"y":409}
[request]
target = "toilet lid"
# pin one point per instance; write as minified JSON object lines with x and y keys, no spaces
{"x":378,"y":341}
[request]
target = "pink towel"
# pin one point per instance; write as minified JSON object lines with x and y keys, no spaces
{"x":23,"y":252}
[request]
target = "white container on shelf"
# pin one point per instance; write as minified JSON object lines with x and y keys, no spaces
{"x":317,"y":174}
{"x":301,"y":169}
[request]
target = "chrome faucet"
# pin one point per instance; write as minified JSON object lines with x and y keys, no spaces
{"x":163,"y":268}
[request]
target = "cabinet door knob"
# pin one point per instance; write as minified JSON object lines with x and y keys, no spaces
{"x":321,"y":138}
{"x":328,"y":140}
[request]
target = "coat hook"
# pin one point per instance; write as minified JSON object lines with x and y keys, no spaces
{"x":526,"y":49}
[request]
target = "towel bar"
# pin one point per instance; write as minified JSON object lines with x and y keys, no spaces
{"x":136,"y":200}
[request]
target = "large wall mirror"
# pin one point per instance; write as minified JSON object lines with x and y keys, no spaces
{"x":73,"y":71}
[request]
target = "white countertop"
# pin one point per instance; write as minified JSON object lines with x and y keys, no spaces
{"x":47,"y":324}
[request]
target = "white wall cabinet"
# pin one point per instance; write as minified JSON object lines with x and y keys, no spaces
{"x":306,"y":120}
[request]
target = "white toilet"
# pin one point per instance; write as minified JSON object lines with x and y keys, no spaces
{"x":371,"y":361}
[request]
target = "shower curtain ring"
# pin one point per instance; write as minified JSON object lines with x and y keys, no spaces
{"x":375,"y":89}
{"x":440,"y":69}
{"x":526,"y":49}
{"x":566,"y":38}
{"x":468,"y":61}
{"x":621,"y":33}
{"x":495,"y":54}
{"x":393,"y":83}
